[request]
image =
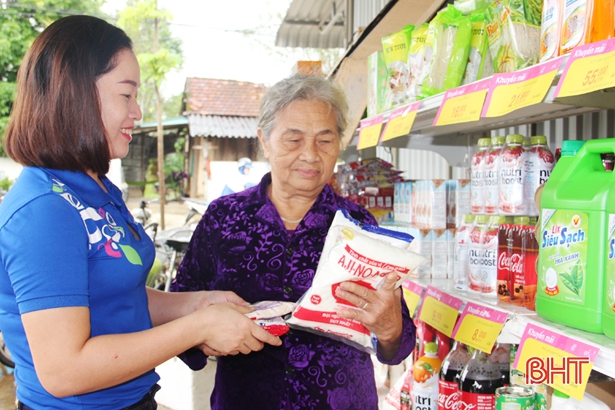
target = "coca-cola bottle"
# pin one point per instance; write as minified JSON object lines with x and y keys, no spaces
{"x":504,"y":275}
{"x":517,"y":257}
{"x":530,"y":257}
{"x":500,"y":356}
{"x":490,"y":255}
{"x":450,"y":376}
{"x":479,"y":379}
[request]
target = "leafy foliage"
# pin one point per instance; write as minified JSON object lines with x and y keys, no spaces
{"x":20,"y":23}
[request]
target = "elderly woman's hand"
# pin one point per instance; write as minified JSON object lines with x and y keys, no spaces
{"x":212,"y":297}
{"x":379,"y":310}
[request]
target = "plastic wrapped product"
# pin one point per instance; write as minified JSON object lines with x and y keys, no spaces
{"x":352,"y":252}
{"x":550,"y":29}
{"x":451,"y":34}
{"x":480,"y":64}
{"x":416,"y":60}
{"x":514,"y":34}
{"x":269,"y":315}
{"x":395,"y":51}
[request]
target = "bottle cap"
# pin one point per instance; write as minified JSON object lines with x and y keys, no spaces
{"x":539,"y":140}
{"x":484,"y":142}
{"x":522,"y":220}
{"x":469,"y":218}
{"x":571,"y":147}
{"x":527,"y":142}
{"x":431,"y":347}
{"x":514,"y":138}
{"x":558,"y":393}
{"x":498,"y":140}
{"x":482,"y":219}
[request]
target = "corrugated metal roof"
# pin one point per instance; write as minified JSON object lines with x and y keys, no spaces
{"x":222,"y":126}
{"x":313,"y":23}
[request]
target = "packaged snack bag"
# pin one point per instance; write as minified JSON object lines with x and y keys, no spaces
{"x":417,"y":58}
{"x":451,"y":34}
{"x":480,"y":64}
{"x":365,"y":254}
{"x":395,"y":48}
{"x":514,"y":33}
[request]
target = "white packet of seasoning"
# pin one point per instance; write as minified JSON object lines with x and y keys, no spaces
{"x":352,"y":252}
{"x":269,"y":314}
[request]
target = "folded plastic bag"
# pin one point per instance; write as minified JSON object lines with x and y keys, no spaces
{"x":352,"y":252}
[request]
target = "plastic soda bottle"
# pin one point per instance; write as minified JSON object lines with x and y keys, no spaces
{"x":426,"y":374}
{"x":450,"y":376}
{"x":491,"y":175}
{"x":489,"y":287}
{"x":530,"y":256}
{"x":461,"y":266}
{"x":504,"y":261}
{"x":476,"y":272}
{"x":500,"y":356}
{"x":539,"y":163}
{"x":573,"y":233}
{"x":479,"y":379}
{"x":477,"y":200}
{"x":518,"y":259}
{"x":512,"y":200}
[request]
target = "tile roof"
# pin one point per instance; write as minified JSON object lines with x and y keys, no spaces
{"x":207,"y":96}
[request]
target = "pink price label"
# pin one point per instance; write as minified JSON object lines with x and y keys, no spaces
{"x":518,"y":77}
{"x":372,"y":121}
{"x":486,"y":313}
{"x":403,"y":111}
{"x":461,"y":91}
{"x":567,"y":344}
{"x":413,"y":287}
{"x":445,"y":298}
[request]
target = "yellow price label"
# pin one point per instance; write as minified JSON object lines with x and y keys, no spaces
{"x":556,"y":360}
{"x":439,"y":315}
{"x":478,"y":332}
{"x":512,"y":91}
{"x":587,"y":72}
{"x":412,"y":300}
{"x":369,"y":133}
{"x":400,"y":122}
{"x":465,"y":108}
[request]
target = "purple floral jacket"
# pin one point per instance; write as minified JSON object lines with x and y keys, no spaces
{"x":241,"y":245}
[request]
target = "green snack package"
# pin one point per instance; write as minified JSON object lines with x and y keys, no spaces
{"x":480,"y":64}
{"x":416,"y":60}
{"x":378,"y":92}
{"x":452,"y":33}
{"x":395,"y":48}
{"x":514,"y":35}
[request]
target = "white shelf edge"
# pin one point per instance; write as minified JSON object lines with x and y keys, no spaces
{"x":519,"y":317}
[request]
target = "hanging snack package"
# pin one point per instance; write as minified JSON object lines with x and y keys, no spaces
{"x":513,"y":27}
{"x":451,"y":34}
{"x":395,"y":52}
{"x":416,"y":60}
{"x":352,"y":252}
{"x":480,"y":64}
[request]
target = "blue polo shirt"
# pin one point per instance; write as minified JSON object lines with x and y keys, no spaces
{"x":65,"y":242}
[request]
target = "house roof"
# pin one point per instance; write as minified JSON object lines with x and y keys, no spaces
{"x":222,"y":126}
{"x":313,"y":23}
{"x":207,"y":96}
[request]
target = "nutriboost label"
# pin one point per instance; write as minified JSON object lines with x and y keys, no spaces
{"x":511,"y":190}
{"x":563,"y":246}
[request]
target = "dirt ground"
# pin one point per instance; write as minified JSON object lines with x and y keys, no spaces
{"x":175,"y":214}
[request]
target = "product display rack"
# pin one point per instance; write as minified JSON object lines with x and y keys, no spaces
{"x":453,"y":142}
{"x":519,"y":317}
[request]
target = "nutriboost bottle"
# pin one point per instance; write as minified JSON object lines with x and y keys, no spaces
{"x":491,"y":175}
{"x":512,"y":200}
{"x":539,"y":163}
{"x":477,"y":199}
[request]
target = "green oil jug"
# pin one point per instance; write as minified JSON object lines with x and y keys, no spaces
{"x":572,"y":237}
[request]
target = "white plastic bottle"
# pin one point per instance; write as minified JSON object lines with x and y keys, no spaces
{"x":491,"y":175}
{"x":461,"y":266}
{"x":477,"y":198}
{"x":561,"y":401}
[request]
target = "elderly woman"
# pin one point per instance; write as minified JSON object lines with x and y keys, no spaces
{"x":264,"y":244}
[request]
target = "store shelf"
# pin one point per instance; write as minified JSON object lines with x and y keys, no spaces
{"x":519,"y":317}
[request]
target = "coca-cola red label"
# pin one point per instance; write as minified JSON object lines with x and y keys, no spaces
{"x":477,"y":401}
{"x":449,"y":396}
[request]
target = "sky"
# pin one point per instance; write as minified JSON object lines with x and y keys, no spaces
{"x":214,"y":45}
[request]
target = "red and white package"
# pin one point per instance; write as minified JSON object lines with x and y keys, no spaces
{"x":350,"y":253}
{"x":269,"y":314}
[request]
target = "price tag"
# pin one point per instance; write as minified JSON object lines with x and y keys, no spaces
{"x":462,"y":104}
{"x":400,"y":122}
{"x":589,"y":68}
{"x":554,"y":359}
{"x":440,"y":310}
{"x":412,"y":295}
{"x":511,"y":91}
{"x":479,"y":326}
{"x":369,"y":132}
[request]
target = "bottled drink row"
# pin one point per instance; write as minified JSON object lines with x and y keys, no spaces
{"x":506,"y":172}
{"x":496,"y":258}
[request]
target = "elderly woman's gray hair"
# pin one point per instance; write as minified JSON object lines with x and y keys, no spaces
{"x":301,"y":87}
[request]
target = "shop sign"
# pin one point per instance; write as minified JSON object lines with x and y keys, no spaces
{"x":559,"y":361}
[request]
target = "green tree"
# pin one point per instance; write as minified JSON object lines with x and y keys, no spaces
{"x":20,"y":23}
{"x":158,"y":54}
